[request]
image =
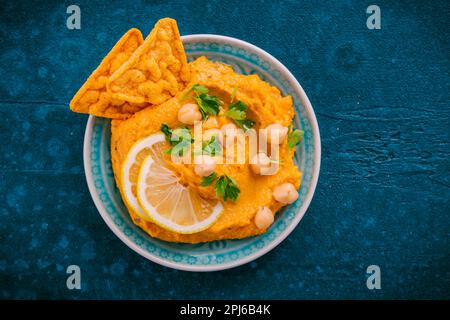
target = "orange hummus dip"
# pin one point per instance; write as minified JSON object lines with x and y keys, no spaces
{"x":266,"y":106}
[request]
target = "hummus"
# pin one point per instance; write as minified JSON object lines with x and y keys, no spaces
{"x":266,"y":106}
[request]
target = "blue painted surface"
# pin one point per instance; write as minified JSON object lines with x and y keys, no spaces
{"x":382,"y":98}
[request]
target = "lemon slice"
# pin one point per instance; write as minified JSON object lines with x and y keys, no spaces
{"x":130,"y":170}
{"x":169,"y":203}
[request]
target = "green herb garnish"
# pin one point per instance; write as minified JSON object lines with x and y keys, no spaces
{"x":208,"y":180}
{"x":225,"y":186}
{"x":212,"y":147}
{"x":233,"y":94}
{"x":180,"y":139}
{"x":294,"y":137}
{"x":209,"y":105}
{"x":197,"y":88}
{"x":246,"y":124}
{"x":238,"y":112}
{"x":167,"y":132}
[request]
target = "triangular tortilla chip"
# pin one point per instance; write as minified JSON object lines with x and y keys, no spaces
{"x":93,"y":98}
{"x":156,"y":71}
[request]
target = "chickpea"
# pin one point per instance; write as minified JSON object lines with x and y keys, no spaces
{"x":189,"y":113}
{"x":263,"y":218}
{"x":260,"y":163}
{"x":285,"y":193}
{"x":211,"y":123}
{"x":204,"y":165}
{"x":276,"y":133}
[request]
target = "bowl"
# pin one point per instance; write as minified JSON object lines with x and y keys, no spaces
{"x":217,"y":255}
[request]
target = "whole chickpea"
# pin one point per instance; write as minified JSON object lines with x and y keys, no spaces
{"x":204,"y":165}
{"x":210,"y":123}
{"x":189,"y":113}
{"x":263,"y":218}
{"x":260,"y":163}
{"x":285,"y":193}
{"x":276,"y":133}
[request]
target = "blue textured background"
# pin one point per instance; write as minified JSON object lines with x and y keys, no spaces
{"x":382,"y":98}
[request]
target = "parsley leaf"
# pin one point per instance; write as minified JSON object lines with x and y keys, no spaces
{"x":233,"y":94}
{"x":237,"y":106}
{"x":199,"y":89}
{"x":180,"y":139}
{"x":238,"y":112}
{"x":208,"y":180}
{"x":246,"y":124}
{"x":227,"y":188}
{"x":294,"y":137}
{"x":167,"y":132}
{"x":209,"y":105}
{"x":212,"y":147}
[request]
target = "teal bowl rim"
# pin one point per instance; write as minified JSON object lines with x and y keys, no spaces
{"x":306,"y":104}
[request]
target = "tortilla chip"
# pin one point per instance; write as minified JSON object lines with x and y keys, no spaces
{"x":156,"y":71}
{"x":93,"y":97}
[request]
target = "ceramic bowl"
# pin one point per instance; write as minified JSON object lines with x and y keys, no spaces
{"x":218,"y":255}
